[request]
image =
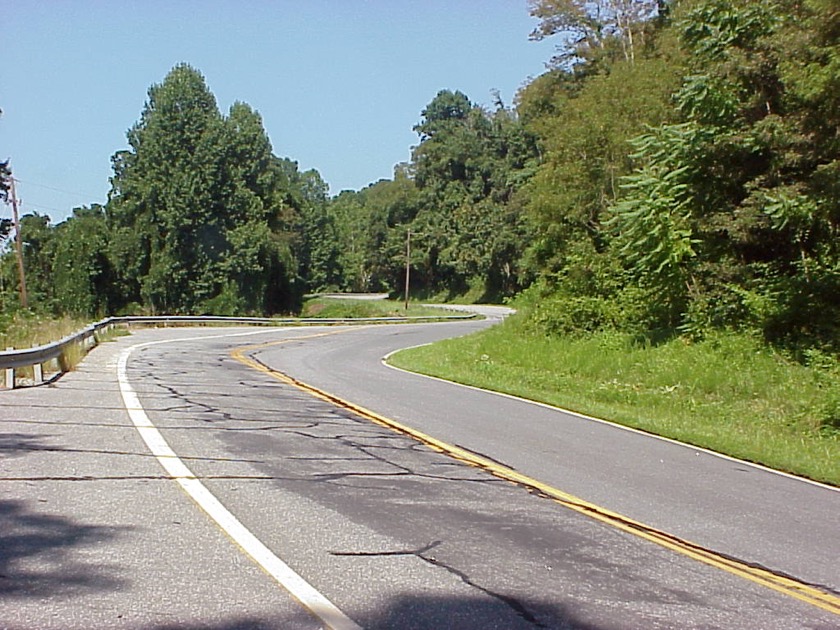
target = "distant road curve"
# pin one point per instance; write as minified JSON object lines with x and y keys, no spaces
{"x":353,"y":296}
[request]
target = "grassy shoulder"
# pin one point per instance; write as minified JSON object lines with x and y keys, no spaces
{"x":26,"y":330}
{"x":335,"y":308}
{"x":730,"y":393}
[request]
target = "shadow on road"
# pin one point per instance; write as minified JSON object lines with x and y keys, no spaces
{"x":244,"y":623}
{"x":429,"y":611}
{"x":422,"y":612}
{"x":19,"y":444}
{"x":40,"y":554}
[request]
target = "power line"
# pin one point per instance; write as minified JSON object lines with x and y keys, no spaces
{"x":34,"y":205}
{"x":69,"y":192}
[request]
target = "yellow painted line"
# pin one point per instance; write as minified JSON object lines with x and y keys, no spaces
{"x":781,"y":583}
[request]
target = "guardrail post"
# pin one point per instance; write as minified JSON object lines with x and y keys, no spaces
{"x":39,"y":372}
{"x":10,"y":375}
{"x":63,"y":363}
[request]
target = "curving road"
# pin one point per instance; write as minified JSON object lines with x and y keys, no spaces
{"x":365,"y":525}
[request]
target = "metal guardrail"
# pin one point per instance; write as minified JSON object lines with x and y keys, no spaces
{"x":10,"y":360}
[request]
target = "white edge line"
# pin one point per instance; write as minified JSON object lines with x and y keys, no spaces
{"x":282,"y":573}
{"x":616,"y":425}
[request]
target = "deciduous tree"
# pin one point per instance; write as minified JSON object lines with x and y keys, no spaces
{"x":592,"y":28}
{"x":201,"y":212}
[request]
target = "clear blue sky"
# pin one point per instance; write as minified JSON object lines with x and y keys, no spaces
{"x":339,"y":83}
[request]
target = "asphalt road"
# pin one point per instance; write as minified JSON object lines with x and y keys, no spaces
{"x":95,"y":534}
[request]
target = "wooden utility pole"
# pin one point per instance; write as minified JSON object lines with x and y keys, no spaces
{"x":24,"y":303}
{"x":407,"y":265}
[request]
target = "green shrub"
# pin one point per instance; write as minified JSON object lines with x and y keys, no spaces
{"x":829,"y":413}
{"x":571,"y":315}
{"x":228,"y":303}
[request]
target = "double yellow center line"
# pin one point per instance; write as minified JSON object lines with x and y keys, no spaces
{"x":781,"y":583}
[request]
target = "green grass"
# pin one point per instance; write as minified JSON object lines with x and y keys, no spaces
{"x":729,"y":393}
{"x":334,"y":308}
{"x":25,"y":330}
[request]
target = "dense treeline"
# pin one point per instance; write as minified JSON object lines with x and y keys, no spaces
{"x":676,"y":170}
{"x":690,"y":178}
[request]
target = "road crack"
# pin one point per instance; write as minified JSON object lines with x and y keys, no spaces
{"x":513,"y":603}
